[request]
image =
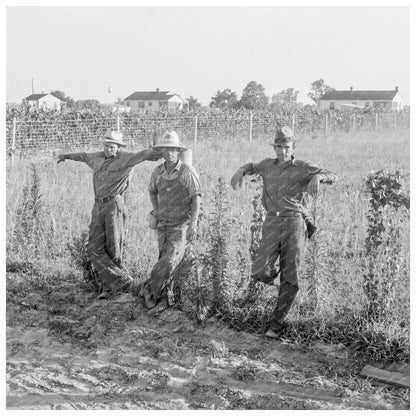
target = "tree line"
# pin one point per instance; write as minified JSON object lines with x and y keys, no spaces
{"x":253,"y":97}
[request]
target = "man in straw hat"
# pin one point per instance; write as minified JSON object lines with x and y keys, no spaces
{"x":112,"y":170}
{"x":175,"y":193}
{"x":287,"y":184}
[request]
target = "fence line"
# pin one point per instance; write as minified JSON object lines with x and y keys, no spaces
{"x":28,"y":137}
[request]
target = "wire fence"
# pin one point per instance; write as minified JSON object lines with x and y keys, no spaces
{"x":26,"y":137}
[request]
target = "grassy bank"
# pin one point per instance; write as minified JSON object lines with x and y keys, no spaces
{"x":331,"y":303}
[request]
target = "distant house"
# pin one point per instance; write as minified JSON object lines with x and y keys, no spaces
{"x":154,"y":100}
{"x":45,"y":101}
{"x":387,"y":100}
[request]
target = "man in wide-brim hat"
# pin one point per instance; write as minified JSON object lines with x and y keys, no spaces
{"x":175,"y":194}
{"x":287,"y":183}
{"x":112,"y":170}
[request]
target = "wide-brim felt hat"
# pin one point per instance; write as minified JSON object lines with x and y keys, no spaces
{"x":115,"y":137}
{"x":170,"y":139}
{"x":283,"y":136}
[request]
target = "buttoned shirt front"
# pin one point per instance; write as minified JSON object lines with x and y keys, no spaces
{"x":111,"y":176}
{"x":285,"y":183}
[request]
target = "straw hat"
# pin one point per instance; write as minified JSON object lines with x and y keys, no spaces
{"x":115,"y":137}
{"x":170,"y":139}
{"x":283,"y":136}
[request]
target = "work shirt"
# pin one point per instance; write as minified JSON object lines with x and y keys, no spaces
{"x":285,"y":183}
{"x":110,"y":176}
{"x":174,"y":191}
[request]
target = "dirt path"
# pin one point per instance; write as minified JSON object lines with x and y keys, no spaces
{"x":68,"y":351}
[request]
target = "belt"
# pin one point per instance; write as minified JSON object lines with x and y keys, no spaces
{"x":284,"y":214}
{"x":106,"y":199}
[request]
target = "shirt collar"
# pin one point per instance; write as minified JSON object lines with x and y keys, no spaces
{"x":284,"y":165}
{"x":112,"y":157}
{"x":177,"y":166}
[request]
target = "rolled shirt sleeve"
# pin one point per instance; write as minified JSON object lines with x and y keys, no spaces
{"x":327,"y":176}
{"x":191,"y":180}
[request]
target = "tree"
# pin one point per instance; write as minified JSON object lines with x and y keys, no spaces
{"x":224,"y":99}
{"x":254,"y":97}
{"x":318,"y":89}
{"x":193,"y":103}
{"x":70,"y":102}
{"x":90,"y":104}
{"x":285,"y":99}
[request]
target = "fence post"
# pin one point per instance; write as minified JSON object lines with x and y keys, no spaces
{"x":13,"y":142}
{"x":293,"y":123}
{"x":118,"y":122}
{"x":353,"y":122}
{"x":195,"y":129}
{"x":251,"y":126}
{"x":326,"y":124}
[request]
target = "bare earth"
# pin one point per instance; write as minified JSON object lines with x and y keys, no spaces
{"x":66,"y":350}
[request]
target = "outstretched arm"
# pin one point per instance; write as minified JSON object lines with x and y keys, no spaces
{"x":143,"y":155}
{"x":78,"y":157}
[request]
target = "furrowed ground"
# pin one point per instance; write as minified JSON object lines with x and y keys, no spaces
{"x":66,"y":350}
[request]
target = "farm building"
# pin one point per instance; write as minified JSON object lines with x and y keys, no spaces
{"x":46,"y":101}
{"x":154,"y":100}
{"x":387,"y":100}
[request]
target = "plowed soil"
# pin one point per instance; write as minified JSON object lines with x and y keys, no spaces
{"x":67,"y":350}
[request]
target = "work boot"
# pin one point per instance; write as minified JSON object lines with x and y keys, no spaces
{"x":159,"y":308}
{"x":122,"y":284}
{"x":147,"y":296}
{"x":277,"y":331}
{"x":105,"y":294}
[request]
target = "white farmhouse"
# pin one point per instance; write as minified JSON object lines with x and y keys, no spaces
{"x":154,"y":100}
{"x":387,"y":100}
{"x":45,"y":101}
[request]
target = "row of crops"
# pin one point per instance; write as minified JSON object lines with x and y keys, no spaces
{"x":43,"y":131}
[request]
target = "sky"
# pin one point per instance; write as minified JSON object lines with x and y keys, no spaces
{"x":196,"y":51}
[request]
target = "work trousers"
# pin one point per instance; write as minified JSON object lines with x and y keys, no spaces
{"x":282,"y":244}
{"x":105,"y":241}
{"x":172,"y":245}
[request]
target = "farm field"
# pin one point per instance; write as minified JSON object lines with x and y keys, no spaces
{"x":66,"y":350}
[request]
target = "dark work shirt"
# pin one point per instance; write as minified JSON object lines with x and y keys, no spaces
{"x":110,"y":176}
{"x":285,"y":183}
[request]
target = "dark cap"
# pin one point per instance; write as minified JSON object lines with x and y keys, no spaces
{"x":283,"y":136}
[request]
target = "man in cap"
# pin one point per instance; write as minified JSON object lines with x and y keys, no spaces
{"x":112,"y":170}
{"x":287,"y":184}
{"x":175,"y":194}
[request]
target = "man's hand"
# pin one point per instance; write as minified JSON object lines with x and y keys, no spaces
{"x":61,"y":158}
{"x":153,"y":155}
{"x":237,"y":179}
{"x":313,"y":185}
{"x":191,"y":232}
